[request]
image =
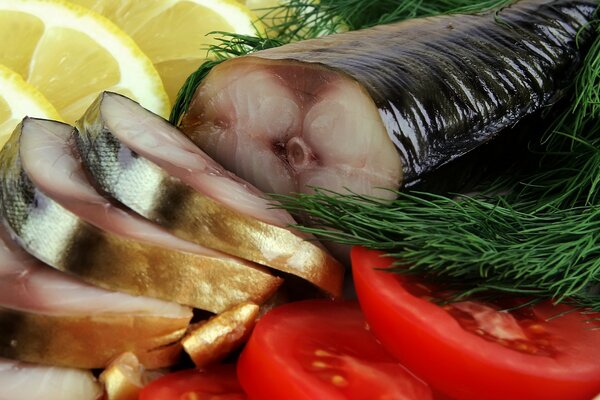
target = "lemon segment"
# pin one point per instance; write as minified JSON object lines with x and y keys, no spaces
{"x":173,"y":33}
{"x":71,"y":54}
{"x":19,"y":99}
{"x":16,"y":54}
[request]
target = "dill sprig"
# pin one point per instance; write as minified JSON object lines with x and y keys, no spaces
{"x":473,"y":244}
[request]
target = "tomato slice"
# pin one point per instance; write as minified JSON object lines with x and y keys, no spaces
{"x":471,"y":350}
{"x":322,"y":350}
{"x":218,"y":383}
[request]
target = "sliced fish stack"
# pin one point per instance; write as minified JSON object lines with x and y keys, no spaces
{"x":386,"y":107}
{"x":79,"y":271}
{"x":145,"y":163}
{"x":59,"y":218}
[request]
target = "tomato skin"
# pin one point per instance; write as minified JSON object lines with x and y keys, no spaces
{"x":218,"y":383}
{"x":297,"y":351}
{"x":460,"y":364}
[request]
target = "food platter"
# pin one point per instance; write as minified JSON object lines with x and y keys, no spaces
{"x":444,"y":143}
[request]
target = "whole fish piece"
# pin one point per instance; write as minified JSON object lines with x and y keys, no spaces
{"x":22,"y":381}
{"x":145,"y":163}
{"x":60,"y":218}
{"x":49,"y":317}
{"x":386,"y":106}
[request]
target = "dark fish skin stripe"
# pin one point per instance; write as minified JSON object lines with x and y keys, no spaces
{"x":10,"y":325}
{"x":173,"y":198}
{"x":444,"y":85}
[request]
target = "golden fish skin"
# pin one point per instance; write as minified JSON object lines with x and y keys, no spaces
{"x":89,"y":342}
{"x":124,"y":378}
{"x":212,"y":340}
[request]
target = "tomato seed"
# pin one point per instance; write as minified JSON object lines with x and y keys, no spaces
{"x":537,"y":328}
{"x":322,"y":353}
{"x":189,"y":396}
{"x":339,"y":380}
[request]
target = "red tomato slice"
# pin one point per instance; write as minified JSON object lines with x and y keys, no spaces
{"x":321,"y":350}
{"x":219,"y":383}
{"x":470,"y":350}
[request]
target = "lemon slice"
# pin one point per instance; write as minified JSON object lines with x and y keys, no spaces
{"x":173,"y":32}
{"x":71,"y":54}
{"x":19,"y":99}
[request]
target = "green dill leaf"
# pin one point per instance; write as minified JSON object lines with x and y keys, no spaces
{"x":186,"y":92}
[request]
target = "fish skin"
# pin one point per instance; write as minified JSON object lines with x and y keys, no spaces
{"x":444,"y":85}
{"x":66,"y":341}
{"x":66,"y":242}
{"x":140,"y":184}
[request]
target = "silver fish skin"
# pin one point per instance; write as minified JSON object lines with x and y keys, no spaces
{"x":111,"y":259}
{"x":385,"y":107}
{"x":145,"y":163}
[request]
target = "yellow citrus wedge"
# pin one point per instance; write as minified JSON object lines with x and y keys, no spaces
{"x":70,"y":54}
{"x":173,"y":33}
{"x":19,"y":99}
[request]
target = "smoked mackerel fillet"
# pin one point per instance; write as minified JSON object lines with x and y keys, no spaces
{"x":383,"y":107}
{"x":58,"y":217}
{"x":139,"y":159}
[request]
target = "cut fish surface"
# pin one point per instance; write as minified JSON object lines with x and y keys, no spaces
{"x":59,"y":218}
{"x":145,"y":163}
{"x":49,"y":317}
{"x":386,"y":106}
{"x":36,"y":382}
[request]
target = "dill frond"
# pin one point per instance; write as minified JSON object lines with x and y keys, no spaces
{"x":472,"y":244}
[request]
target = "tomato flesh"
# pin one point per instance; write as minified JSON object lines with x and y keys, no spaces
{"x":526,"y":335}
{"x":471,"y":350}
{"x":321,"y":350}
{"x":218,"y":383}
